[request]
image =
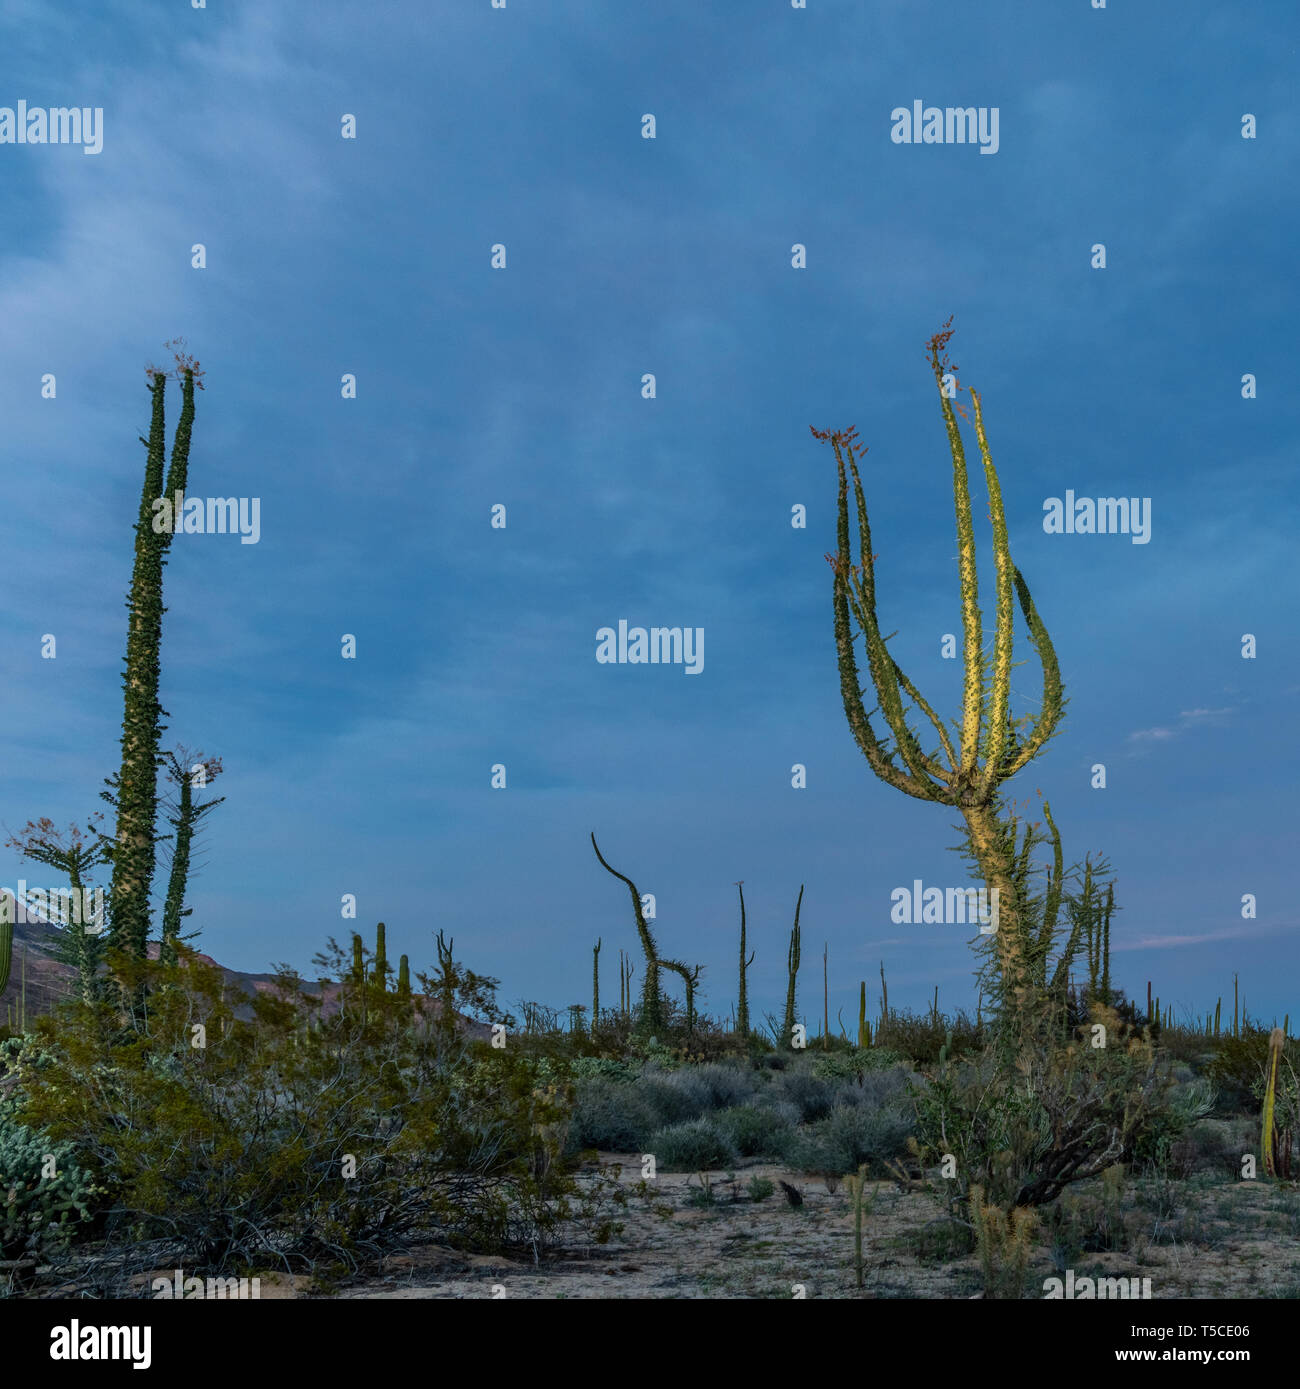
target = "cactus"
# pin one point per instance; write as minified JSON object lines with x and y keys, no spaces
{"x":742,"y":1008}
{"x":6,"y":938}
{"x":857,"y":1189}
{"x":864,"y":1032}
{"x":792,"y":967}
{"x":381,"y":956}
{"x":970,"y":785}
{"x":1275,"y":1041}
{"x":826,"y":997}
{"x":652,"y":1002}
{"x":945,"y":1051}
{"x":358,"y":964}
{"x":595,"y":986}
{"x":404,"y":977}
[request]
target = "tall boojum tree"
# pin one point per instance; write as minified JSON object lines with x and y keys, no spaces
{"x":136,"y":786}
{"x":991,"y":747}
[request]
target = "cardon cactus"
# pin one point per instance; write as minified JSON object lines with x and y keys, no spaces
{"x":6,"y":938}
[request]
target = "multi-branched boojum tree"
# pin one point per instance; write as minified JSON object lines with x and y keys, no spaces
{"x":990,"y":746}
{"x":136,"y":787}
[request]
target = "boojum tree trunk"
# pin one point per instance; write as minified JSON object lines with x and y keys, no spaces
{"x":137,"y":784}
{"x":991,"y":748}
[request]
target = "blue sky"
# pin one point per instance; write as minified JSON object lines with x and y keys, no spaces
{"x":522,"y":386}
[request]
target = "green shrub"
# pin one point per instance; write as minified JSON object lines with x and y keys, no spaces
{"x":1024,"y":1133}
{"x":760,"y":1188}
{"x":755,"y":1130}
{"x":851,"y":1065}
{"x":303,"y":1139}
{"x":611,"y":1115}
{"x":695,"y":1146}
{"x":671,"y":1103}
{"x":849,"y":1137}
{"x":809,"y":1093}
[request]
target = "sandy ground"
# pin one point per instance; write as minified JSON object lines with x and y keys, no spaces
{"x":1223,"y":1239}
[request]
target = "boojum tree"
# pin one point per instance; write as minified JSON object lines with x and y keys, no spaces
{"x":653,"y":1013}
{"x":136,"y":787}
{"x":989,"y":747}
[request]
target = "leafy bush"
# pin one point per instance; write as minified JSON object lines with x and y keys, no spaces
{"x":759,"y":1188}
{"x":300,"y":1138}
{"x":852,"y":1065}
{"x":1059,"y":1115}
{"x":1183,"y":1107}
{"x":695,"y":1146}
{"x":1237,"y":1066}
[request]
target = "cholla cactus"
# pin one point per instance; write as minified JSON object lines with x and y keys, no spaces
{"x":990,"y":747}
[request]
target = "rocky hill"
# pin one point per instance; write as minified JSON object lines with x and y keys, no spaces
{"x":46,"y":980}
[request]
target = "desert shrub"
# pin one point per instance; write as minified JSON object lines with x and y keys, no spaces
{"x":722,"y":1085}
{"x":876,"y":1089}
{"x":809,"y":1093}
{"x":756,"y":1130}
{"x":1060,"y":1114}
{"x":1208,"y":1146}
{"x":1238,"y":1064}
{"x":695,"y":1146}
{"x":852,"y":1135}
{"x":770,"y":1060}
{"x":298,"y":1138}
{"x":604,"y":1068}
{"x":611,"y":1115}
{"x":759,"y":1188}
{"x":1184,"y":1105}
{"x":672,"y":1102}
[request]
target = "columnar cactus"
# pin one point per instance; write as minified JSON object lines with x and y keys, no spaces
{"x":381,"y":955}
{"x":6,"y":938}
{"x":1275,"y":1040}
{"x":742,"y":1007}
{"x":991,"y":747}
{"x":792,"y":969}
{"x":404,"y":977}
{"x":595,"y":986}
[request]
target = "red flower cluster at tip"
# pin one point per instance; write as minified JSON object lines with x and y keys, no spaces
{"x":842,"y":438}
